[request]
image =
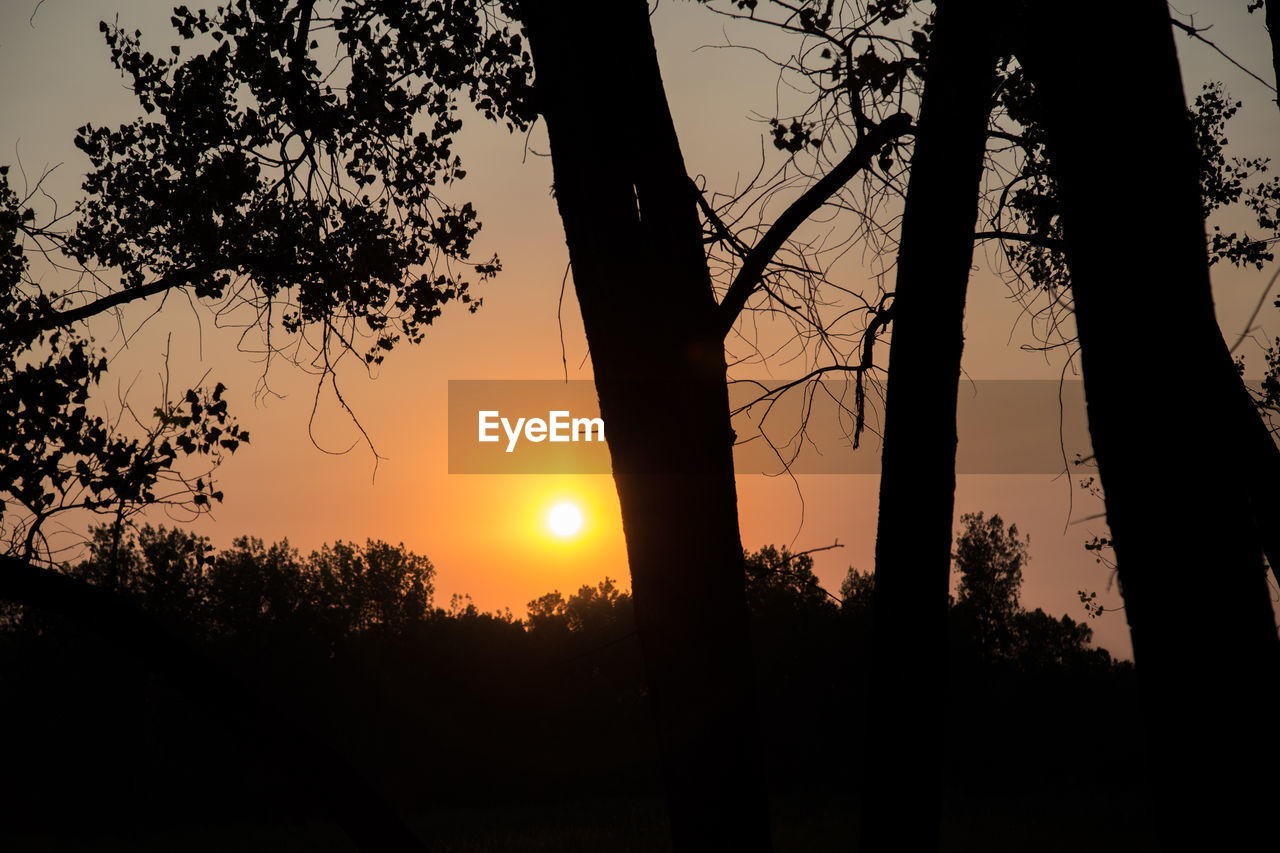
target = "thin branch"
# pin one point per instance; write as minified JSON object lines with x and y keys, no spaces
{"x":1194,"y":32}
{"x":1013,"y":236}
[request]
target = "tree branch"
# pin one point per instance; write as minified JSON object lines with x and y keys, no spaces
{"x":757,"y":260}
{"x":772,"y":393}
{"x":1191,"y":30}
{"x":1033,"y":239}
{"x":26,"y":330}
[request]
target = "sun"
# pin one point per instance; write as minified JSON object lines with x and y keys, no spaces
{"x":565,"y":519}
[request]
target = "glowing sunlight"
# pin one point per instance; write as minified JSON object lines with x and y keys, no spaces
{"x":565,"y":519}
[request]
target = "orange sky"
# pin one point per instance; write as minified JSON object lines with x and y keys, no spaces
{"x":486,"y":534}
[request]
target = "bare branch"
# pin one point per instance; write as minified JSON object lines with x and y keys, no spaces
{"x":28,"y":329}
{"x":757,"y":260}
{"x":1033,"y":239}
{"x":1195,"y":32}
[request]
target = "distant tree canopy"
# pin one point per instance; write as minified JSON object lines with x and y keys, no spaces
{"x":350,"y":632}
{"x":337,"y":592}
{"x":856,"y":590}
{"x":989,"y":620}
{"x":252,"y":591}
{"x":778,"y":579}
{"x":989,"y":625}
{"x":592,"y":609}
{"x":989,"y":560}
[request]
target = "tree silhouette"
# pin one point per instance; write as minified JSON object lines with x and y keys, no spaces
{"x":253,"y":177}
{"x":57,"y":457}
{"x":252,"y":587}
{"x":1205,"y":695}
{"x":317,"y":205}
{"x":632,"y":228}
{"x":601,"y":612}
{"x":913,"y":538}
{"x":989,"y":561}
{"x":260,"y":719}
{"x":507,"y":715}
{"x":917,"y":485}
{"x":779,"y":579}
{"x":377,"y":586}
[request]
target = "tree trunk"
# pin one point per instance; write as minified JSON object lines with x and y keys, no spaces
{"x":1173,"y":447}
{"x":640,"y":273}
{"x":1263,"y":473}
{"x":1265,"y":495}
{"x":903,"y":792}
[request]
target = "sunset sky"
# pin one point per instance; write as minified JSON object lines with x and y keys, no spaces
{"x":488,"y":535}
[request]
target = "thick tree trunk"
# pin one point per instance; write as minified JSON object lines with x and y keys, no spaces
{"x":903,"y":790}
{"x":1265,"y":494}
{"x":1262,"y":474}
{"x":330,"y":779}
{"x":640,"y":273}
{"x":1174,"y":449}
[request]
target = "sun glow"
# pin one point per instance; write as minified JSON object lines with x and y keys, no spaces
{"x":565,"y":519}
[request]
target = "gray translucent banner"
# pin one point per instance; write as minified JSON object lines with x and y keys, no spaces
{"x":554,"y":427}
{"x":481,"y":405}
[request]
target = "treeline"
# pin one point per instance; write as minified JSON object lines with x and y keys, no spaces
{"x":330,"y":595}
{"x":449,"y":706}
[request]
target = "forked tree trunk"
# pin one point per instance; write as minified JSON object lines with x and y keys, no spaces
{"x":903,"y":779}
{"x":647,"y":304}
{"x":1174,"y":450}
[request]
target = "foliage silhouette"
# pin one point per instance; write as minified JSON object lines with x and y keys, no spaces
{"x":56,"y":456}
{"x":505,"y":711}
{"x":253,"y":179}
{"x":338,"y":592}
{"x":220,"y":699}
{"x":216,"y":194}
{"x":989,"y":562}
